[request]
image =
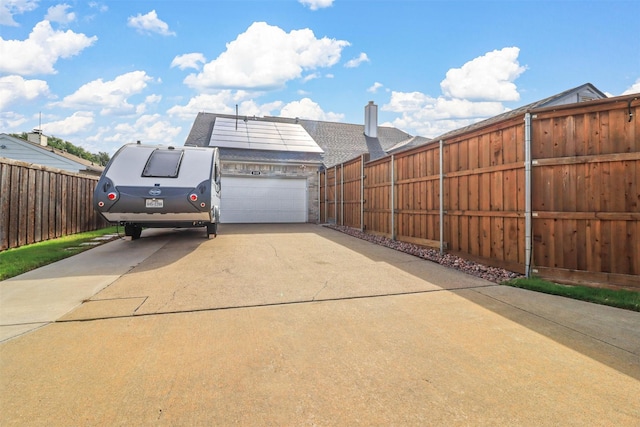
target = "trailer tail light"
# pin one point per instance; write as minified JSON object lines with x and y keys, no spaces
{"x":193,"y":197}
{"x":112,"y":196}
{"x":202,"y":205}
{"x":101,"y":204}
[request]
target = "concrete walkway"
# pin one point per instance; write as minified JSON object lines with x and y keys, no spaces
{"x":302,"y":325}
{"x":42,"y":296}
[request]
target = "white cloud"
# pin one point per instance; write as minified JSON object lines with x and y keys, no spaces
{"x":220,"y":102}
{"x":150,"y":23}
{"x":112,"y":96}
{"x":471,"y":93}
{"x":59,"y":14}
{"x":100,"y":7}
{"x":634,"y":88}
{"x":153,"y":99}
{"x":252,"y":108}
{"x":39,"y":53}
{"x":407,"y":102}
{"x":148,"y":101}
{"x":374,"y":88}
{"x":77,"y":122}
{"x":8,"y":8}
{"x":307,"y":109}
{"x":11,"y":122}
{"x":488,"y":77}
{"x":150,"y":129}
{"x":15,"y":89}
{"x":265,"y":56}
{"x":355,"y":62}
{"x":316,"y":4}
{"x":224,"y":102}
{"x":310,"y":77}
{"x":429,"y":116}
{"x":188,"y":60}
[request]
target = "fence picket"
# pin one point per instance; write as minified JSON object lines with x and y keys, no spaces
{"x":38,"y":203}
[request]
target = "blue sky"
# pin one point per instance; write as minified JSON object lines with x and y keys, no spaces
{"x":104,"y":73}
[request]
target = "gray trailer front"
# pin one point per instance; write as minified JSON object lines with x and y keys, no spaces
{"x":159,"y":186}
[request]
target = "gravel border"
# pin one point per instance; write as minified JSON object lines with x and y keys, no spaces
{"x":492,"y":274}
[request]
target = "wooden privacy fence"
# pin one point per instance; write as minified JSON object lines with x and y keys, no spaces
{"x":39,"y":203}
{"x":552,"y":192}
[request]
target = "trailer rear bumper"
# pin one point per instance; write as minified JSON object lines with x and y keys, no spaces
{"x":196,"y":219}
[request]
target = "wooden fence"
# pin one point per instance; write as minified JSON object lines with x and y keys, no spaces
{"x":39,"y":203}
{"x":552,"y":192}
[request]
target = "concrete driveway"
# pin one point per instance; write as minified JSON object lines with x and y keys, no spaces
{"x":303,"y":325}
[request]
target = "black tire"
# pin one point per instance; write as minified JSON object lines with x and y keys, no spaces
{"x":137,"y":231}
{"x":129,"y":229}
{"x":133,"y":231}
{"x":212,"y":229}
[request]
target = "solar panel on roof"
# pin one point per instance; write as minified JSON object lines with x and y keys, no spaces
{"x":261,"y":135}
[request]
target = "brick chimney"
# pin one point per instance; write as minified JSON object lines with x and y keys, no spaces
{"x":37,"y":137}
{"x":371,"y":120}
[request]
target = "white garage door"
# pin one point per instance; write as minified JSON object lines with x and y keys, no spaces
{"x":263,"y":200}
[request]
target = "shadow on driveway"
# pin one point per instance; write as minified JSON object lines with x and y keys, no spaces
{"x":260,"y":265}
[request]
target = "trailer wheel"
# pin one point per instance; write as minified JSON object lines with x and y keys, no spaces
{"x":133,"y":231}
{"x":137,"y":231}
{"x":212,"y":229}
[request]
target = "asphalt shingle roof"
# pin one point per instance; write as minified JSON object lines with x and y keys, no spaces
{"x":341,"y":142}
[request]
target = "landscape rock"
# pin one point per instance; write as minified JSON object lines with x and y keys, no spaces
{"x":492,"y":274}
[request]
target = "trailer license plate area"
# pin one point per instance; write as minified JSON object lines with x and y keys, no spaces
{"x":154,"y":203}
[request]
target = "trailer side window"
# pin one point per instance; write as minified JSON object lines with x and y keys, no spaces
{"x":163,"y":164}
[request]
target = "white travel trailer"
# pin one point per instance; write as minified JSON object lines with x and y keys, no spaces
{"x":159,"y":186}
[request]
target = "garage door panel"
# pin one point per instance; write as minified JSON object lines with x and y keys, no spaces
{"x":263,"y":200}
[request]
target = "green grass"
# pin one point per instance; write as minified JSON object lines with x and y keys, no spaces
{"x":629,"y":300}
{"x":20,"y":260}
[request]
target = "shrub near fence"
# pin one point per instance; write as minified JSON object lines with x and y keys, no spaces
{"x":584,"y":194}
{"x":39,"y":203}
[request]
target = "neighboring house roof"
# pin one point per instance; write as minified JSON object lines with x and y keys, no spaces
{"x":414,"y":141}
{"x":25,"y":151}
{"x":340,"y":142}
{"x":585,"y":92}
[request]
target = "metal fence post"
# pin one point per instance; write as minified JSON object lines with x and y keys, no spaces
{"x":441,"y":197}
{"x":362,"y":192}
{"x":392,"y":202}
{"x":342,"y":194}
{"x":527,"y":194}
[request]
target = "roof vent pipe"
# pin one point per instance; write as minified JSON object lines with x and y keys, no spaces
{"x":371,"y":120}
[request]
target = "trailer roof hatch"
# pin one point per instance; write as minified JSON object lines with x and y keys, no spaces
{"x":163,"y":164}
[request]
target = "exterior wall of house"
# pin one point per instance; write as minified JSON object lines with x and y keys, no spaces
{"x":268,"y":170}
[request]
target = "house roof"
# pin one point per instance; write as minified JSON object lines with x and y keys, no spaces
{"x":340,"y":142}
{"x":49,"y":156}
{"x":585,"y":92}
{"x":414,"y":141}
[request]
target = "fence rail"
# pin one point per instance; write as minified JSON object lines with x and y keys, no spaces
{"x":580,"y":193}
{"x":39,"y":203}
